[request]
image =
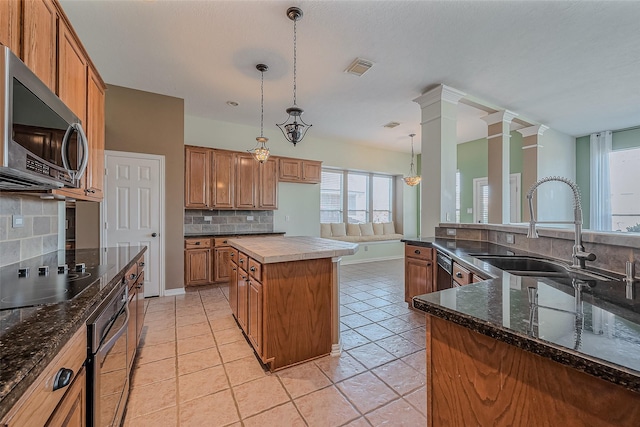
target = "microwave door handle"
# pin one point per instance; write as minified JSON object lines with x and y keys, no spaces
{"x":75,"y":174}
{"x":85,"y":150}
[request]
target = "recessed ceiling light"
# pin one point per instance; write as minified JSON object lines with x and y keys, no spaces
{"x":391,"y":125}
{"x":232,"y":103}
{"x":359,"y":66}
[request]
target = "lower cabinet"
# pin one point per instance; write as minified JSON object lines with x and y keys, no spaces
{"x":243,"y":297}
{"x":135,"y":275}
{"x":198,"y":266}
{"x":418,"y":271}
{"x":254,"y":331}
{"x":72,"y":410}
{"x":233,"y":286}
{"x":221,"y":253}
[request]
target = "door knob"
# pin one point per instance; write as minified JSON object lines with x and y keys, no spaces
{"x":154,"y":234}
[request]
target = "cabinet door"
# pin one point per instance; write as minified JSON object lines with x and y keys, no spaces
{"x":311,"y":171}
{"x":222,"y":264}
{"x":198,"y":266}
{"x":223,"y":177}
{"x":131,"y":327}
{"x":197,"y":169}
{"x":255,"y":315}
{"x":243,"y":298}
{"x":39,"y":30}
{"x":246,"y":181}
{"x":418,"y":278}
{"x":268,"y":190}
{"x":290,"y":170}
{"x":71,"y":412}
{"x":233,"y":288}
{"x":72,"y":73}
{"x":10,"y":25}
{"x":94,"y":129}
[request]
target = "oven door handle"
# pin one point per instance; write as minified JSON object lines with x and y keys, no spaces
{"x":104,"y":348}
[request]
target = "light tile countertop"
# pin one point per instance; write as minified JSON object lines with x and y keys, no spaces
{"x":269,"y":250}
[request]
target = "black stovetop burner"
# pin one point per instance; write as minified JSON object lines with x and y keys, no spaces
{"x":64,"y":276}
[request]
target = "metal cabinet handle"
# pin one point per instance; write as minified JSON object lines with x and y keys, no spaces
{"x":198,"y":243}
{"x":132,"y":276}
{"x":141,"y":263}
{"x":241,"y":261}
{"x":62,"y":378}
{"x":231,"y":254}
{"x":224,"y":241}
{"x":459,"y":275}
{"x":417,"y":252}
{"x":252,"y":269}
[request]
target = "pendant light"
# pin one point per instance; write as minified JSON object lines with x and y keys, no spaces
{"x":294,"y":128}
{"x":413,"y":179}
{"x":261,"y":152}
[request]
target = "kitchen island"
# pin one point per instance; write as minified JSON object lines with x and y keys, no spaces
{"x":516,"y":350}
{"x":284,"y":293}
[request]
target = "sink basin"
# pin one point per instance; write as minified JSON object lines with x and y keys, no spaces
{"x":538,"y":267}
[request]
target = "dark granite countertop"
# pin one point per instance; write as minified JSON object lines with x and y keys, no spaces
{"x":235,"y":233}
{"x":603,"y":340}
{"x":31,"y":337}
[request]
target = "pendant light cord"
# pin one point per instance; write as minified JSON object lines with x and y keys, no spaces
{"x":295,"y":20}
{"x":261,"y":102}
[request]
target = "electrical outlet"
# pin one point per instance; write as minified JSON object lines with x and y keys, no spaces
{"x":208,"y":218}
{"x":287,"y":218}
{"x":249,"y":217}
{"x":510,"y":238}
{"x":451,"y":231}
{"x":366,"y":248}
{"x":17,"y":221}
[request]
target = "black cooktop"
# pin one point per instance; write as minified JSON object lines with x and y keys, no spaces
{"x":50,"y":278}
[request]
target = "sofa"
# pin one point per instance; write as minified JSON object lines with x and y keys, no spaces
{"x":358,"y":233}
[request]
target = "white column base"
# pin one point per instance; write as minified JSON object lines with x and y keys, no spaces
{"x":336,"y":349}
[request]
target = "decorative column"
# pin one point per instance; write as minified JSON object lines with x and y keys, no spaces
{"x":336,"y":342}
{"x":530,"y":146}
{"x":498,"y":166}
{"x":439,"y":157}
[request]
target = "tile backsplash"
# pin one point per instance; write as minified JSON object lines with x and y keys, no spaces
{"x":39,"y":233}
{"x":197,"y":221}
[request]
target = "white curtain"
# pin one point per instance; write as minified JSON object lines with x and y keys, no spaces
{"x":600,"y":210}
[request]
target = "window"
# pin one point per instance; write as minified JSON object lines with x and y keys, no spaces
{"x":624,"y":167}
{"x":365,"y":197}
{"x":331,"y":196}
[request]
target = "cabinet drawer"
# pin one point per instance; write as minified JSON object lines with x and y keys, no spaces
{"x":40,"y":400}
{"x":243,"y":261}
{"x":461,"y":275}
{"x":419,"y":252}
{"x":255,"y":269}
{"x":233,"y":256}
{"x":130,"y":276}
{"x":197,"y":243}
{"x":221,"y":241}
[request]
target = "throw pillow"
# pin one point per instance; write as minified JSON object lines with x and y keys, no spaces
{"x":378,"y":229}
{"x":325,"y":230}
{"x":366,"y":229}
{"x":338,"y":229}
{"x":389,"y":228}
{"x":353,"y":230}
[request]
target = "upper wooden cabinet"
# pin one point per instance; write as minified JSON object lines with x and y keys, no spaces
{"x":95,"y":128}
{"x":10,"y":25}
{"x":197,"y":179}
{"x":268,"y":188}
{"x":300,"y":171}
{"x":246,"y":180}
{"x":39,"y":41}
{"x":223,"y":179}
{"x":72,"y":73}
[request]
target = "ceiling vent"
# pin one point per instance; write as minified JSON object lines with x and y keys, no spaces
{"x":359,"y":66}
{"x":391,"y":125}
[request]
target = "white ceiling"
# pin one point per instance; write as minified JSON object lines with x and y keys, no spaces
{"x":573,"y":66}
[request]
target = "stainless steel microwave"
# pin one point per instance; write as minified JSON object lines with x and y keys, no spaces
{"x":43,"y":144}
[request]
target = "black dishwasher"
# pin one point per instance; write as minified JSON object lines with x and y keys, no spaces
{"x":445,"y":268}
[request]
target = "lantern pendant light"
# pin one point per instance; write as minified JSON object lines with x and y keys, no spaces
{"x":413,"y":179}
{"x":261,"y":152}
{"x":294,"y":128}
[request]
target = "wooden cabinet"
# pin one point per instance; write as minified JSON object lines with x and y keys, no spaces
{"x":72,"y":73}
{"x":243,"y":297}
{"x":254,"y":327}
{"x":268,"y":185}
{"x":198,"y":262}
{"x":197,"y":180}
{"x":418,"y":271}
{"x":39,"y":31}
{"x":37,"y":406}
{"x":95,"y":130}
{"x":233,"y":283}
{"x":221,"y":261}
{"x":300,"y":171}
{"x":461,"y":276}
{"x":223,"y":176}
{"x":246,"y":179}
{"x":10,"y":24}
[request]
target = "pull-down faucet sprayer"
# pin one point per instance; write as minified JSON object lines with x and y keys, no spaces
{"x":579,"y":256}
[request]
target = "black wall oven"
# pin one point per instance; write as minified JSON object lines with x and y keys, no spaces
{"x":445,"y":269}
{"x":107,"y":367}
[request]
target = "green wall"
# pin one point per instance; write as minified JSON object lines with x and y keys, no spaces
{"x":620,"y":140}
{"x":472,"y":163}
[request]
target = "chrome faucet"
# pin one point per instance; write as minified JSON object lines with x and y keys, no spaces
{"x":579,"y":256}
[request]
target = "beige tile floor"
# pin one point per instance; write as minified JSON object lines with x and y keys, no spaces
{"x":195,"y":367}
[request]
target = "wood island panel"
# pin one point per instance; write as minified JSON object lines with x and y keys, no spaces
{"x":473,"y":379}
{"x":297,"y":306}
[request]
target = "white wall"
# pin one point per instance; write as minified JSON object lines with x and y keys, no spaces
{"x":557,"y":157}
{"x":301,"y":202}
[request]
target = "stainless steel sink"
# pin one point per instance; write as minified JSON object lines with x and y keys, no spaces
{"x":539,"y":267}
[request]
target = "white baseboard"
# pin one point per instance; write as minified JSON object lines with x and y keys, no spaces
{"x":362,"y":261}
{"x":173,"y":292}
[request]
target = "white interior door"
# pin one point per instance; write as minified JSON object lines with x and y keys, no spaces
{"x":134,"y":210}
